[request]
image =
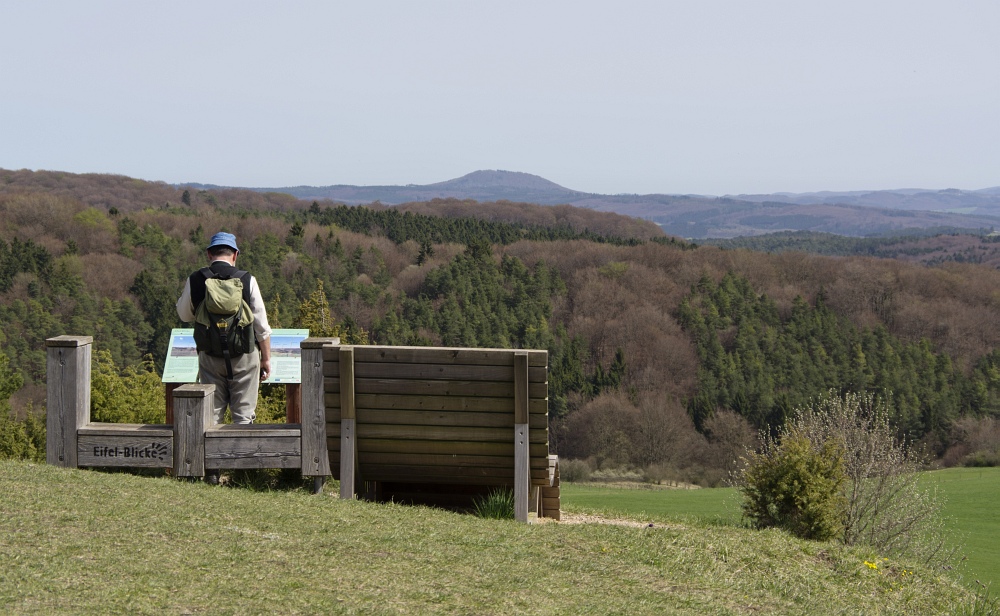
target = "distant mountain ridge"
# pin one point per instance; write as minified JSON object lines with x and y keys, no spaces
{"x":487,"y":185}
{"x":949,"y":199}
{"x":854,"y":213}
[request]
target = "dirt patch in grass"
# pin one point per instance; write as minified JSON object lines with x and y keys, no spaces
{"x":586,"y":518}
{"x":636,"y":485}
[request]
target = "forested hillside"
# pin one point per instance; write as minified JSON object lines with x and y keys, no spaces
{"x":917,"y":246}
{"x":662,"y":356}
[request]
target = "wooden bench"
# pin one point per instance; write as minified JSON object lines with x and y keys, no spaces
{"x":440,"y":416}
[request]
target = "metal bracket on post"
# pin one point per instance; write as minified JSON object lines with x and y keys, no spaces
{"x":67,"y":396}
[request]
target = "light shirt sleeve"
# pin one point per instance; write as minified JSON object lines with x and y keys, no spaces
{"x":261,"y":328}
{"x":185,"y":310}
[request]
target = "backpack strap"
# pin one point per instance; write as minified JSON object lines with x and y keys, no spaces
{"x":245,"y":279}
{"x":224,"y":338}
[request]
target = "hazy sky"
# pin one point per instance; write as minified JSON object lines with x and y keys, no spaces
{"x":702,"y":96}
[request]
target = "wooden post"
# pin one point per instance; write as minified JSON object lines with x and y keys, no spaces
{"x":168,"y":391}
{"x":315,"y":456}
{"x":192,"y":416}
{"x":293,"y":402}
{"x":521,"y":458}
{"x":534,"y":501}
{"x":67,"y":402}
{"x":348,"y":442}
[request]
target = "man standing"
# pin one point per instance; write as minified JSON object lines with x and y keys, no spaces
{"x":236,"y":378}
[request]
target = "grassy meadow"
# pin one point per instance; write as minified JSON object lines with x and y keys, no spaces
{"x":719,"y":506}
{"x":84,"y":542}
{"x":972,"y":503}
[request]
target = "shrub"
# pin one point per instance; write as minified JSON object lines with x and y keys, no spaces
{"x":497,"y":505}
{"x":19,"y":440}
{"x":886,"y":508}
{"x":791,"y":482}
{"x":574,"y":471}
{"x":132,"y":395}
{"x":271,"y":404}
{"x":660,"y":473}
{"x":982,"y":459}
{"x":796,"y":485}
{"x":22,"y":439}
{"x":267,"y":479}
{"x":617,"y":473}
{"x":705,"y":476}
{"x":977,"y":442}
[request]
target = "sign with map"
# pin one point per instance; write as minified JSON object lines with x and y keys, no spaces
{"x":286,"y":356}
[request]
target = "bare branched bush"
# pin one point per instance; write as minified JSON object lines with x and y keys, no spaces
{"x":603,"y":430}
{"x":664,"y":434}
{"x":729,"y":436}
{"x":976,"y":442}
{"x":574,"y":470}
{"x":616,"y":434}
{"x":887,"y":508}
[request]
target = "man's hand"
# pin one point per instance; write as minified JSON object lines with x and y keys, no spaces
{"x":265,"y":358}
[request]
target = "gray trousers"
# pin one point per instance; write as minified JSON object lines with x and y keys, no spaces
{"x":238,"y":393}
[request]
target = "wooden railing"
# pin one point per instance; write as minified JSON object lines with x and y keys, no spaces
{"x":191,"y":443}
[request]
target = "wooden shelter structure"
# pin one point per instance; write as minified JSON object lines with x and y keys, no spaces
{"x":439,"y":425}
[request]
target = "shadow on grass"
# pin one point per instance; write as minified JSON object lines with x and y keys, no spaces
{"x":254,"y":480}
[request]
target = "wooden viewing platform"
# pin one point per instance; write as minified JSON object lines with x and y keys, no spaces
{"x":424,"y":424}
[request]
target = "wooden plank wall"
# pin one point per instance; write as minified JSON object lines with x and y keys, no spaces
{"x":437,"y":415}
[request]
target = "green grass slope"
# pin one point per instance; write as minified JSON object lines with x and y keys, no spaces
{"x":971,"y":506}
{"x":85,"y":542}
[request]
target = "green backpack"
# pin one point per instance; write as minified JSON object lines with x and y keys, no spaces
{"x":223,"y":323}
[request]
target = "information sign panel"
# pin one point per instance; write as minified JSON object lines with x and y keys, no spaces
{"x":182,"y":358}
{"x":286,"y":356}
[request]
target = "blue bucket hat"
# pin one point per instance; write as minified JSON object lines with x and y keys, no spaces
{"x":223,"y":239}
